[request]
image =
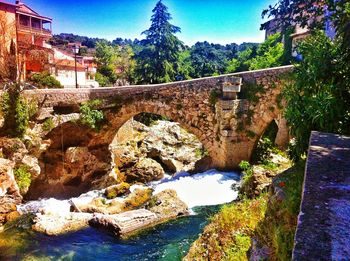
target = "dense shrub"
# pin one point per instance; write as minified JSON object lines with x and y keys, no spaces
{"x":318,"y":96}
{"x":149,"y":118}
{"x":23,"y":178}
{"x":45,"y":80}
{"x":90,"y":115}
{"x":102,"y":80}
{"x":48,"y":124}
{"x":15,"y":111}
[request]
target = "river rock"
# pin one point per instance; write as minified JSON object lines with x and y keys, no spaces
{"x":136,"y":199}
{"x":145,"y":170}
{"x":13,"y":149}
{"x":125,"y":223}
{"x":33,"y":165}
{"x":167,"y":205}
{"x":165,"y":142}
{"x":54,"y":225}
{"x":257,"y":253}
{"x":117,"y":190}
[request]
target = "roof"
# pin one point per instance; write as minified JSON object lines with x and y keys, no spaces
{"x":69,"y":64}
{"x":22,"y":8}
{"x":6,"y":3}
{"x":7,"y":7}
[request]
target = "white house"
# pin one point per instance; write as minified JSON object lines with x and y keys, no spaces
{"x":64,"y":71}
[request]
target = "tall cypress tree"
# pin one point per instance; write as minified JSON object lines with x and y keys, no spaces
{"x":158,"y":60}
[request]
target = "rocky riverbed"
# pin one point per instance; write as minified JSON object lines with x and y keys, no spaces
{"x":170,"y":199}
{"x":149,"y":183}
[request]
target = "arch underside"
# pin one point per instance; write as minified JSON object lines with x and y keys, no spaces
{"x":79,"y":156}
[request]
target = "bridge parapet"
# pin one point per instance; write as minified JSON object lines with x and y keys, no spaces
{"x":323,"y":231}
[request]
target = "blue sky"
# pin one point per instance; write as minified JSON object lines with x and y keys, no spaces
{"x":217,"y":21}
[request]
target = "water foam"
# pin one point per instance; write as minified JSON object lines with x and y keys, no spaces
{"x":212,"y":187}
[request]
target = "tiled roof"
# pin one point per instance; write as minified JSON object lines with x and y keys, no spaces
{"x":69,"y":64}
{"x":24,"y":9}
{"x":6,"y":3}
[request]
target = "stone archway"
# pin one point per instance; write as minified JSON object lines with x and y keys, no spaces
{"x":77,"y":155}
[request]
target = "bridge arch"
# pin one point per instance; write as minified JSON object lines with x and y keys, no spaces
{"x":213,"y":120}
{"x":77,"y":154}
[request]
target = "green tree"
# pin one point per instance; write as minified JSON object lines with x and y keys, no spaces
{"x":208,"y":59}
{"x":114,"y":63}
{"x":318,"y":98}
{"x":243,"y":60}
{"x":14,"y":109}
{"x":269,"y":54}
{"x":160,"y":55}
{"x":125,"y":63}
{"x":184,"y":66}
{"x":105,"y":53}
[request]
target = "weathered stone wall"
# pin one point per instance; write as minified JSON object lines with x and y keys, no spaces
{"x":323,"y":230}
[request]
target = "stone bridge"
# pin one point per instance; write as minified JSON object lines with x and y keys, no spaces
{"x":73,"y":156}
{"x":229,"y":128}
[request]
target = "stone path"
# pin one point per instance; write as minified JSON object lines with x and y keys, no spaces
{"x":323,"y":231}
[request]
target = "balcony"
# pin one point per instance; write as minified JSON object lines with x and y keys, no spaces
{"x":33,"y":25}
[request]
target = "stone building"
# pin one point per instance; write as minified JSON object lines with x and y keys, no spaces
{"x":29,"y":33}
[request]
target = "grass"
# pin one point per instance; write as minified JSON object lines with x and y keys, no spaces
{"x":278,"y":228}
{"x":228,"y":235}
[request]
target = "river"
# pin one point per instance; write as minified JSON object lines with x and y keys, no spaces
{"x":204,"y":193}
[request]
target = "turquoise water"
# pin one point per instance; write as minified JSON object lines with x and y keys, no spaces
{"x":169,"y":241}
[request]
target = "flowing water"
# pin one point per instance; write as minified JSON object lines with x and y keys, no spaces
{"x":203,"y":193}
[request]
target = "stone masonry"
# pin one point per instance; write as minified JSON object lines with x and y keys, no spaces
{"x":229,"y":129}
{"x":227,"y":117}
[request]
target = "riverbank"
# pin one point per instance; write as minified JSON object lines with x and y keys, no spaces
{"x":259,"y":227}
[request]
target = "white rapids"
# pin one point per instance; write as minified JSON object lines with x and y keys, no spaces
{"x":212,"y":187}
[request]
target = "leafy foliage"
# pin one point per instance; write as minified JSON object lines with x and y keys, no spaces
{"x":278,"y":227}
{"x":15,"y":111}
{"x":90,"y":115}
{"x":318,"y":98}
{"x":208,"y":59}
{"x":48,"y":124}
{"x":44,"y":80}
{"x":115,"y":63}
{"x":23,"y":177}
{"x":228,"y":237}
{"x":269,"y":54}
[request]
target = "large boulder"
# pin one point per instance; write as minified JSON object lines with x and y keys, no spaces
{"x":9,"y":192}
{"x":125,"y":223}
{"x":145,"y":170}
{"x":139,"y":197}
{"x":54,"y":225}
{"x":167,"y":205}
{"x":117,"y":190}
{"x":13,"y":149}
{"x":164,"y":142}
{"x":70,"y":173}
